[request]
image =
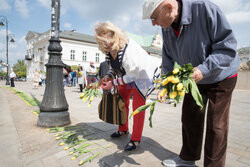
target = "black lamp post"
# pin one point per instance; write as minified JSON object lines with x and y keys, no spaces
{"x":54,"y":106}
{"x":4,"y":19}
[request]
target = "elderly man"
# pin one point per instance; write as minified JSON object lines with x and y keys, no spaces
{"x":91,"y":73}
{"x":197,"y":32}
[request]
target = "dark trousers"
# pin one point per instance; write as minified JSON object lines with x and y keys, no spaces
{"x":91,"y":80}
{"x":12,"y":84}
{"x":218,"y":96}
{"x":82,"y":86}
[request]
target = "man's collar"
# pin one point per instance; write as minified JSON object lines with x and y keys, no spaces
{"x":186,"y":17}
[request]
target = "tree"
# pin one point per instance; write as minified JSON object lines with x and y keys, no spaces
{"x":2,"y":74}
{"x":74,"y":67}
{"x":20,"y":68}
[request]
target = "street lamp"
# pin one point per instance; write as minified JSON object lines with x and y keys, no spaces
{"x":54,"y":107}
{"x":8,"y":36}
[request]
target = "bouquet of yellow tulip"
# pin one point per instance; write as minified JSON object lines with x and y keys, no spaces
{"x":90,"y":92}
{"x":174,"y":84}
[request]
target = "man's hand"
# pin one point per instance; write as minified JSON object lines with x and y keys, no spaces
{"x":107,"y":85}
{"x":197,"y":75}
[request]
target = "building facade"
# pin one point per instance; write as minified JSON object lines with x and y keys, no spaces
{"x":78,"y":49}
{"x":3,"y":66}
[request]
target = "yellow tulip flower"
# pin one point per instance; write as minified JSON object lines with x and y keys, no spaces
{"x":182,"y":93}
{"x":165,"y":81}
{"x":176,"y":70}
{"x":135,"y":112}
{"x":175,"y":80}
{"x":173,"y":94}
{"x":163,"y":92}
{"x":179,"y":86}
{"x":85,"y":99}
{"x":61,"y":144}
{"x":157,"y":80}
{"x":81,"y":95}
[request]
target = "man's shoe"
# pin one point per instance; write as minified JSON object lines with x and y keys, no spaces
{"x":177,"y":162}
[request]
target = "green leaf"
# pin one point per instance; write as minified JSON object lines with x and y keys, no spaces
{"x":90,"y":158}
{"x":99,"y":94}
{"x":152,"y":108}
{"x":196,"y":94}
{"x":177,"y":98}
{"x":176,"y":65}
{"x":186,"y":85}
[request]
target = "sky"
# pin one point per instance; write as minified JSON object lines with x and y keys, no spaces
{"x":81,"y":15}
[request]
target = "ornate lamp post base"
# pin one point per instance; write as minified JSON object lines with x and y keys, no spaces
{"x":52,"y":119}
{"x":54,"y":106}
{"x":7,"y":82}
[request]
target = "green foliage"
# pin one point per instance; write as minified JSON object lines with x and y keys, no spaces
{"x":243,"y":51}
{"x":20,"y":68}
{"x":2,"y":74}
{"x":74,"y":67}
{"x":30,"y":100}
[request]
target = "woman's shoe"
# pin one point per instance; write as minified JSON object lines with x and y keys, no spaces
{"x":131,"y":145}
{"x":119,"y":134}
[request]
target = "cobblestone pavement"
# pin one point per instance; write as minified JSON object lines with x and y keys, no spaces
{"x":25,"y":144}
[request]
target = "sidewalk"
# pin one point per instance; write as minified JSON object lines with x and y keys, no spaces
{"x":25,"y":144}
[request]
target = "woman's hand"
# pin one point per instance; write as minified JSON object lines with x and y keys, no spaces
{"x":106,"y":78}
{"x":107,"y":85}
{"x":161,"y":95}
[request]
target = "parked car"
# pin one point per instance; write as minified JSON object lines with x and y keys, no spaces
{"x":23,"y":79}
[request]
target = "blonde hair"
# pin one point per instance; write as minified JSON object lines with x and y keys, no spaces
{"x":118,"y":37}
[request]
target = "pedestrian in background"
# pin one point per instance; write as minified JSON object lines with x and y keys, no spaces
{"x":81,"y":78}
{"x":36,"y":79}
{"x":197,"y":32}
{"x":103,"y":69}
{"x":12,"y":78}
{"x":74,"y":77}
{"x":42,"y":76}
{"x":91,"y":73}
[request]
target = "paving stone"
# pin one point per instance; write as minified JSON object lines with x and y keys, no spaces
{"x":244,"y":160}
{"x":38,"y":163}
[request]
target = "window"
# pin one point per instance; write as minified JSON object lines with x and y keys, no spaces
{"x":97,"y":57}
{"x":72,"y":55}
{"x":84,"y":56}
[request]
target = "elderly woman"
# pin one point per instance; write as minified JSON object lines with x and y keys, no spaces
{"x":131,"y":70}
